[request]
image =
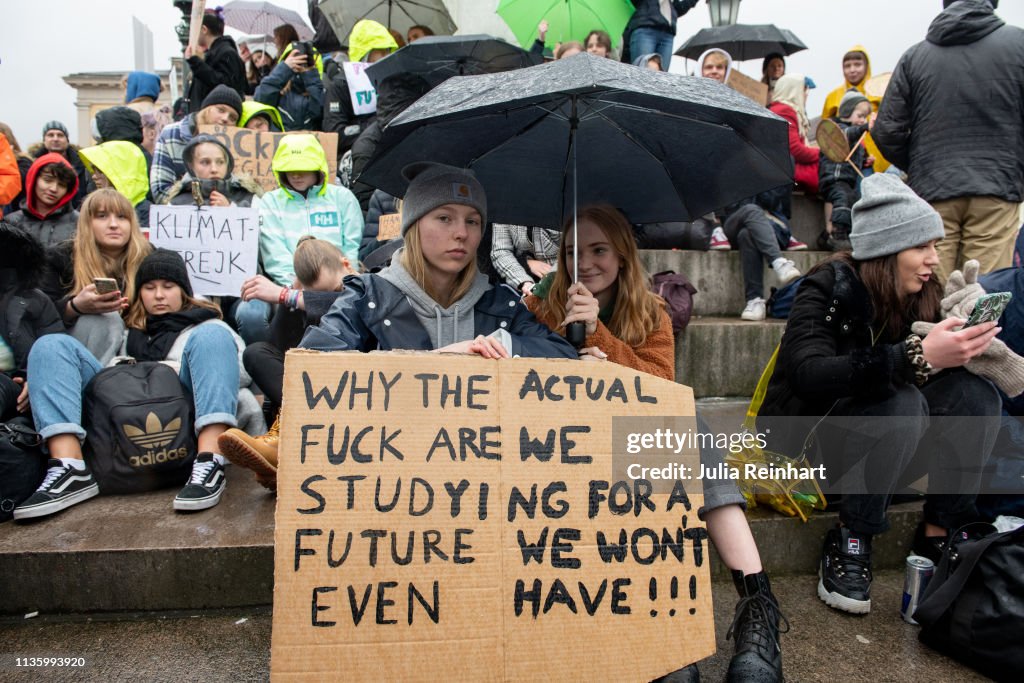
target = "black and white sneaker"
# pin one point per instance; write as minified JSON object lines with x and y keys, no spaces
{"x":205,"y":487}
{"x":62,"y":487}
{"x":844,"y":575}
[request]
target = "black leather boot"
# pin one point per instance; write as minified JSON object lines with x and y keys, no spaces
{"x":756,"y":629}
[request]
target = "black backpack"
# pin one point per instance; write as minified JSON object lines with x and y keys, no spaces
{"x":678,"y":293}
{"x":139,"y":425}
{"x":973,"y":608}
{"x":22,"y":464}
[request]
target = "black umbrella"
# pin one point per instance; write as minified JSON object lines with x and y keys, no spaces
{"x":438,"y":58}
{"x":660,"y":147}
{"x":742,"y":41}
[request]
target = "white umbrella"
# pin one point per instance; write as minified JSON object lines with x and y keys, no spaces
{"x":263,"y":17}
{"x":400,"y":15}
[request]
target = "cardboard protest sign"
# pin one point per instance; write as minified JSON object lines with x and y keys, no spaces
{"x":195,"y":23}
{"x":220,"y":244}
{"x":360,"y":89}
{"x":457,"y":518}
{"x":748,"y":87}
{"x":389,"y":226}
{"x":253,"y":151}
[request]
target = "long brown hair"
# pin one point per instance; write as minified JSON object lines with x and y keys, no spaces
{"x":637,"y":311}
{"x":313,"y":256}
{"x":136,"y":318}
{"x":90,"y":262}
{"x":891,"y":308}
{"x":416,"y":265}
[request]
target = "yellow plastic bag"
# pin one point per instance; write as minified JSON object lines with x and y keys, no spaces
{"x":794,"y":497}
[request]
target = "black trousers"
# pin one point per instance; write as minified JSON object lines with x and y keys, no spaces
{"x":265,"y":364}
{"x":842,"y":196}
{"x":945,"y":429}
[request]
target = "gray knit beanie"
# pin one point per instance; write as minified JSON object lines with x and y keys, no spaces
{"x":890,"y":218}
{"x":432,"y":185}
{"x":850,"y":100}
{"x":55,"y":125}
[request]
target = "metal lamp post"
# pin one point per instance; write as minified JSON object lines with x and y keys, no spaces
{"x":724,"y":12}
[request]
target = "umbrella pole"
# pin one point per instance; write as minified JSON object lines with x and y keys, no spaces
{"x":575,"y":333}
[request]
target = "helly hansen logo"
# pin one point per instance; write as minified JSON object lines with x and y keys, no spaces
{"x":152,"y":439}
{"x":324,"y":219}
{"x":462,"y":191}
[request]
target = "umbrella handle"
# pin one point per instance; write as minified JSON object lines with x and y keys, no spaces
{"x":576,"y":334}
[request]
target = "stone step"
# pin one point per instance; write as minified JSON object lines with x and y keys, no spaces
{"x":718,"y":275}
{"x":725,"y":356}
{"x":120,"y":553}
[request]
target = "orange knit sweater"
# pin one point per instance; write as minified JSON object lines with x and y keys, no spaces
{"x":656,"y":356}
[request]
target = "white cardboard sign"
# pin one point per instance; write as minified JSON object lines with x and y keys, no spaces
{"x":220,"y":244}
{"x":360,"y":89}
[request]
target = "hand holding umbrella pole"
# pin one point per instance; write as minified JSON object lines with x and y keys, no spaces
{"x":575,"y":333}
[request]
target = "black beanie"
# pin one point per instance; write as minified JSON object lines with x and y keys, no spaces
{"x":163,"y":264}
{"x":225,"y":95}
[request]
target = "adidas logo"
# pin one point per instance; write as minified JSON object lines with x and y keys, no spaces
{"x":154,"y":436}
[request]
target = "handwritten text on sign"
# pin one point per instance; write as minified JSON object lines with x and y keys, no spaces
{"x":360,"y":89}
{"x":220,"y":244}
{"x":450,"y":517}
{"x":253,"y":151}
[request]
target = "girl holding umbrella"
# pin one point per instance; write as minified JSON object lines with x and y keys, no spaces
{"x":627,"y":324}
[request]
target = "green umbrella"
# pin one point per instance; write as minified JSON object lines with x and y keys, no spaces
{"x":567,"y":19}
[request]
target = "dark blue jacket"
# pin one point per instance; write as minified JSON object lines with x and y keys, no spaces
{"x":648,"y":14}
{"x":373,"y":314}
{"x":302,"y":107}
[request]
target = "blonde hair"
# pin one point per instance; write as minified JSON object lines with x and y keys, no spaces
{"x":313,"y":255}
{"x":416,"y":265}
{"x":637,"y":311}
{"x":715,"y":58}
{"x":136,"y":318}
{"x":91,"y":263}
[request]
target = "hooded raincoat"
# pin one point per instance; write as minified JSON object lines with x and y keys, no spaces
{"x":329,"y":212}
{"x":124,"y":165}
{"x":251,"y":108}
{"x":831,"y":108}
{"x":54,"y":227}
{"x":238,"y":189}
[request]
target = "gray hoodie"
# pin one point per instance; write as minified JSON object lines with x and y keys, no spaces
{"x":435,"y":320}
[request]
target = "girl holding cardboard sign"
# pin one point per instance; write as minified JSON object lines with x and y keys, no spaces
{"x":627,"y":324}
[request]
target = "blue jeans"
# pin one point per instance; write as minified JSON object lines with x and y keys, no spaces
{"x":644,"y":41}
{"x":59,"y":368}
{"x":252,"y":320}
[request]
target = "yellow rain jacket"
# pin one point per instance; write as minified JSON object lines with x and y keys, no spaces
{"x":251,"y":108}
{"x":123,"y":163}
{"x":369,"y":35}
{"x":832,"y":107}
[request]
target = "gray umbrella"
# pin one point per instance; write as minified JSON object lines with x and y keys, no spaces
{"x":742,"y":41}
{"x":438,"y":58}
{"x":660,"y":147}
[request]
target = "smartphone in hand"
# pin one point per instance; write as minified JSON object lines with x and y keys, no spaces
{"x":989,"y":308}
{"x":105,"y":285}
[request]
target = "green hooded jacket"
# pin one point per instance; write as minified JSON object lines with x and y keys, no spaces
{"x":123,"y":163}
{"x":251,"y":108}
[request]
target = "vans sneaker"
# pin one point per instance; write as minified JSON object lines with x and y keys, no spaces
{"x":844,"y":574}
{"x":785,"y":270}
{"x":62,"y":487}
{"x":795,"y":245}
{"x":719,"y":242}
{"x":205,"y":487}
{"x":755,"y":310}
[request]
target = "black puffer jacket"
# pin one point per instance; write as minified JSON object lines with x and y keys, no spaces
{"x":25,"y":312}
{"x":648,"y":14}
{"x":827,"y":352}
{"x":221,"y":66}
{"x":953,"y":114}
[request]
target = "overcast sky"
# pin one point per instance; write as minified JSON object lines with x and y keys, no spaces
{"x":40,"y":42}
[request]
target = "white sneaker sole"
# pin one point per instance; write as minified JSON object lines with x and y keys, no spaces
{"x":841,"y":602}
{"x":195,"y":504}
{"x":53,"y":506}
{"x":752,"y":318}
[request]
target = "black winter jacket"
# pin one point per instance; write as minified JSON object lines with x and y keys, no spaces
{"x":953,"y":114}
{"x":50,"y":231}
{"x":840,"y":171}
{"x":827,"y":351}
{"x":381,"y":203}
{"x":25,"y":312}
{"x":222,"y":65}
{"x":339,"y":117}
{"x":373,"y":314}
{"x":648,"y":15}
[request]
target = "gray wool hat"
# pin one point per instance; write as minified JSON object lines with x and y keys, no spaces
{"x":850,"y":100}
{"x":890,"y":218}
{"x":432,"y":185}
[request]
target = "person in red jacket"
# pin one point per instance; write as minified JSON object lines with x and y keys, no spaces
{"x":789,"y":99}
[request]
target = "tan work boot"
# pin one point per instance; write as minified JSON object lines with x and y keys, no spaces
{"x":258,"y":453}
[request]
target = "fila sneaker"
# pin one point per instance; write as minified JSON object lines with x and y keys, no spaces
{"x":62,"y":487}
{"x":205,"y":487}
{"x":844,"y":575}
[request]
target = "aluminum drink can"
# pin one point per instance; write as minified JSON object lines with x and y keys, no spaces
{"x":919,"y":572}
